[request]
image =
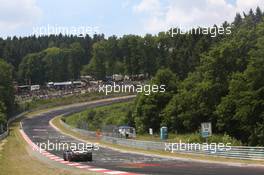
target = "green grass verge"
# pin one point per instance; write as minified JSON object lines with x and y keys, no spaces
{"x":97,"y":118}
{"x":16,"y":159}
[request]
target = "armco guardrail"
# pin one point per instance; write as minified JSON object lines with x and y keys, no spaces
{"x":237,"y":152}
{"x":2,"y":136}
{"x":5,"y":134}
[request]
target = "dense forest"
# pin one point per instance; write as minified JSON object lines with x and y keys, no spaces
{"x":226,"y":87}
{"x":217,"y":79}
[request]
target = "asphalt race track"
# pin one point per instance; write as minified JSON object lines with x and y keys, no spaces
{"x":39,"y":131}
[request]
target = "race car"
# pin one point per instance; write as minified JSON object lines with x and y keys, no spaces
{"x":77,"y":155}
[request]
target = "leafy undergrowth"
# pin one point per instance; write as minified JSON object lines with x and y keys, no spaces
{"x":118,"y":114}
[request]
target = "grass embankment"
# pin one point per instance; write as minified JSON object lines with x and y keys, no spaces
{"x":57,"y":123}
{"x":65,"y":100}
{"x":120,"y":114}
{"x":97,"y":118}
{"x":16,"y":158}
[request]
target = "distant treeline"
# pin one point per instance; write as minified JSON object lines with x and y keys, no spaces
{"x":217,"y":79}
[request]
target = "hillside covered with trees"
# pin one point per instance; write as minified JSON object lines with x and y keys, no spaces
{"x":226,"y":88}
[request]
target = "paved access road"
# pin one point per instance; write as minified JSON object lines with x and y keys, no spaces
{"x":39,"y":131}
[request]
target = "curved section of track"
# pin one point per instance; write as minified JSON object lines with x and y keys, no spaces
{"x":38,"y":130}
